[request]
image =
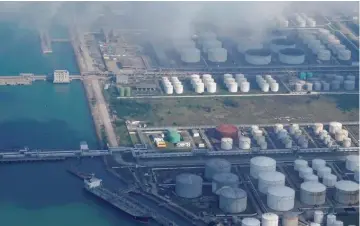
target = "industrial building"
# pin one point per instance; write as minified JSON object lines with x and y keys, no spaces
{"x":61,"y":76}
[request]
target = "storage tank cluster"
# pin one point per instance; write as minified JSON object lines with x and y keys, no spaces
{"x":283,"y":135}
{"x":197,"y":83}
{"x":303,"y":20}
{"x":259,"y":137}
{"x":188,"y":185}
{"x":316,"y":46}
{"x":267,"y":83}
{"x":296,"y":132}
{"x":326,"y":138}
{"x":341,"y":135}
{"x":209,"y":83}
{"x":261,"y":164}
{"x":230,"y":83}
{"x":176,"y":84}
{"x":333,"y":43}
{"x":243,"y":83}
{"x":347,"y":192}
{"x":169,"y":88}
{"x":312,"y":193}
{"x":269,"y":219}
{"x":338,"y":80}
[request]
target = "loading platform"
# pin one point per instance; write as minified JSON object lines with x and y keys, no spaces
{"x":28,"y":78}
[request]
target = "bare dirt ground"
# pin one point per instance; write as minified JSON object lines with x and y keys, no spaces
{"x":257,"y":110}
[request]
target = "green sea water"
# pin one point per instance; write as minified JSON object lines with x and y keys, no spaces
{"x":46,"y":116}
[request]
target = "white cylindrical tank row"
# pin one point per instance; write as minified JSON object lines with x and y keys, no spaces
{"x":268,"y":179}
{"x":347,"y":192}
{"x":269,"y":83}
{"x":226,"y":143}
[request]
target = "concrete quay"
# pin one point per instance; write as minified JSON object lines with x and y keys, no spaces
{"x":28,"y":79}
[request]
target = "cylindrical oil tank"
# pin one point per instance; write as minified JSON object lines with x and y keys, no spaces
{"x":311,"y":177}
{"x":278,"y":127}
{"x":274,"y":87}
{"x":215,"y":166}
{"x":293,"y":128}
{"x":179,"y":89}
{"x":239,"y":76}
{"x":349,"y":85}
{"x":317,"y":86}
{"x":322,"y":171}
{"x":258,"y":56}
{"x":188,"y":185}
{"x":281,"y":43}
{"x":339,"y":135}
{"x":347,"y":192}
{"x":232,"y":200}
{"x":244,"y":142}
{"x":233,"y":87}
{"x":211,"y":87}
{"x":250,"y":221}
{"x":318,"y":216}
{"x":300,"y":163}
{"x":318,"y":163}
{"x":226,"y":130}
{"x":330,"y":219}
{"x":261,"y":164}
{"x":268,"y":179}
{"x":280,"y":198}
{"x":226,"y":143}
{"x":228,"y":76}
{"x":298,"y":86}
{"x":245,"y":87}
{"x":312,"y":193}
{"x":190,"y":55}
{"x":314,"y":224}
{"x":326,"y":86}
{"x":338,"y":223}
{"x":211,"y":44}
{"x":290,"y":219}
{"x":305,"y":171}
{"x":318,"y":127}
{"x":224,"y":179}
{"x":265,"y":87}
{"x":334,"y":126}
{"x":217,"y":55}
{"x":269,"y":219}
{"x":324,"y":55}
{"x":344,"y":55}
{"x":351,"y":77}
{"x":347,"y":142}
{"x":335,"y":85}
{"x":292,"y":56}
{"x":329,"y":180}
{"x":352,"y":162}
{"x":263,"y":145}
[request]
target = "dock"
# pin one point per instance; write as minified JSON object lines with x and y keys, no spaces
{"x":28,"y":79}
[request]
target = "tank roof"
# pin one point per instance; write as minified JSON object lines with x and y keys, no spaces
{"x":283,"y":41}
{"x":292,"y":52}
{"x":270,"y":216}
{"x":250,"y":221}
{"x":230,"y":192}
{"x":258,"y":52}
{"x":188,"y":178}
{"x":347,"y":185}
{"x":218,"y":162}
{"x":281,"y":191}
{"x":262,"y":161}
{"x":313,"y":186}
{"x":227,"y":128}
{"x":273,"y":176}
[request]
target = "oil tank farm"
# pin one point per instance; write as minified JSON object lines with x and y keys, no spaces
{"x":293,"y":56}
{"x":226,"y":130}
{"x":281,"y":198}
{"x":224,"y":180}
{"x":269,"y":179}
{"x":281,"y":43}
{"x":261,"y":164}
{"x":352,"y":162}
{"x":217,"y":55}
{"x":250,"y":221}
{"x":190,"y":55}
{"x":215,"y":166}
{"x":269,"y":219}
{"x":232,"y":200}
{"x":258,"y":56}
{"x":347,"y":192}
{"x":312,"y":193}
{"x":188,"y":185}
{"x":290,"y":219}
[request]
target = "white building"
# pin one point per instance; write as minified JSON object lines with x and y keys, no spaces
{"x":61,"y":76}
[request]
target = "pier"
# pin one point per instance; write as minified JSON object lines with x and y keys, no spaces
{"x":28,"y":79}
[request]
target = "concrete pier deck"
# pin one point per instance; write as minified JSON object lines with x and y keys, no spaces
{"x":28,"y":79}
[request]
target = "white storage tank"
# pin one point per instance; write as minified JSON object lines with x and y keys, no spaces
{"x":330,"y":219}
{"x":217,"y":55}
{"x":349,"y":85}
{"x":329,"y":180}
{"x":322,"y":171}
{"x":188,"y":185}
{"x":261,"y":164}
{"x":250,"y":221}
{"x":265,"y":87}
{"x":347,"y":142}
{"x":280,"y":198}
{"x":214,"y":166}
{"x":278,"y":127}
{"x":352,"y":162}
{"x":335,"y":85}
{"x":305,"y":171}
{"x":244,"y":142}
{"x":211,"y":87}
{"x":298,"y":86}
{"x":179,"y":89}
{"x":227,"y":76}
{"x":318,"y":163}
{"x":274,"y":87}
{"x":317,"y":127}
{"x":169,"y":89}
{"x":233,"y":87}
{"x":268,"y":179}
{"x":300,"y":163}
{"x":211,"y":44}
{"x":269,"y":219}
{"x":318,"y":216}
{"x":224,"y":180}
{"x":258,"y":56}
{"x":239,"y":76}
{"x":232,"y":200}
{"x":190,"y":55}
{"x":347,"y":192}
{"x":338,"y":223}
{"x":226,"y":143}
{"x":344,"y":54}
{"x":293,"y":56}
{"x":311,"y":177}
{"x":245,"y":87}
{"x":334,"y":126}
{"x":317,"y":86}
{"x":312,"y":193}
{"x":199,"y":87}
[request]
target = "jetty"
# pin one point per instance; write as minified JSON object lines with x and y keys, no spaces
{"x":28,"y":79}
